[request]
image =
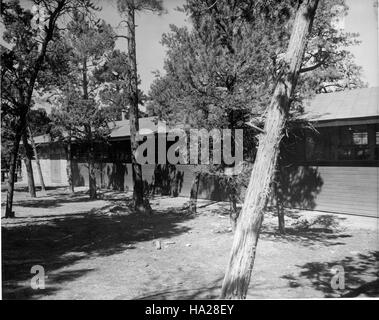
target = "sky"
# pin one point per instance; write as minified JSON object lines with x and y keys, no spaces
{"x":362,"y":19}
{"x":149,"y":31}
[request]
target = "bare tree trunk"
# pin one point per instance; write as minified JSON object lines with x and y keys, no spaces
{"x":278,"y":201}
{"x":28,"y":166}
{"x":92,"y":176}
{"x":43,"y":187}
{"x":281,"y":221}
{"x":141,"y":204}
{"x":233,"y":212}
{"x":69,"y":168}
{"x":9,"y":213}
{"x":91,"y":156}
{"x":238,"y":273}
{"x":194,"y":194}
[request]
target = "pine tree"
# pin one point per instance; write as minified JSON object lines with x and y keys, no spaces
{"x":221,"y":73}
{"x":28,"y":36}
{"x":81,"y":116}
{"x":238,"y":273}
{"x":128,"y":8}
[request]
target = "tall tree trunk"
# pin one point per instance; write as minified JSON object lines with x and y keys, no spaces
{"x":9,"y":213}
{"x":92,"y":175}
{"x":35,"y":151}
{"x":233,"y":211}
{"x":238,"y":273}
{"x":141,"y":204}
{"x":278,"y":201}
{"x":194,"y":194}
{"x":69,"y":167}
{"x":281,"y":221}
{"x":28,"y":166}
{"x":91,"y":157}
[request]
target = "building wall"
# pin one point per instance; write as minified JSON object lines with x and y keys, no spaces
{"x":53,"y":171}
{"x":350,"y":190}
{"x":168,"y":180}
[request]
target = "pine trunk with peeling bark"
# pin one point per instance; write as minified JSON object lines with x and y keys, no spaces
{"x":38,"y":164}
{"x":239,"y":269}
{"x":141,"y":203}
{"x":28,"y":167}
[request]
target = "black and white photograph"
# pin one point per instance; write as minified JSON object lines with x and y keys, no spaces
{"x":202,"y":150}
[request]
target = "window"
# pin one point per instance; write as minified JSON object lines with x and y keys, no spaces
{"x":343,"y":144}
{"x":353,"y":143}
{"x":360,"y":138}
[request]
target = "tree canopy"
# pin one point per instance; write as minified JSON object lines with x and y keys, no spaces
{"x":221,"y":71}
{"x":88,"y":45}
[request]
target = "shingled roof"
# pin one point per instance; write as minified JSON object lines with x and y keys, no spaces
{"x":351,"y":104}
{"x":147,"y":125}
{"x":342,"y":105}
{"x":121,"y":129}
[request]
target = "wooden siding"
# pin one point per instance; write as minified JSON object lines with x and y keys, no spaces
{"x":350,"y":190}
{"x":54,"y":172}
{"x":168,"y":180}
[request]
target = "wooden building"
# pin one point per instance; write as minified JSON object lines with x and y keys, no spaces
{"x":334,"y":168}
{"x":113,"y":165}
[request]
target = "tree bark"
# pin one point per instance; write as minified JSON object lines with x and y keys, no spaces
{"x":239,"y":269}
{"x":69,"y":168}
{"x":233,"y":212}
{"x":91,"y":156}
{"x":9,"y":213}
{"x":92,"y":175}
{"x":28,"y":166}
{"x":281,"y":221}
{"x":35,"y":151}
{"x":278,"y":198}
{"x":194,"y":194}
{"x":141,"y":203}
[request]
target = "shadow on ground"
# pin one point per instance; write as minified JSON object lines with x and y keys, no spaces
{"x":57,"y":198}
{"x":360,"y":273}
{"x":24,"y":188}
{"x":324,"y":230}
{"x":211,"y":291}
{"x":57,"y":241}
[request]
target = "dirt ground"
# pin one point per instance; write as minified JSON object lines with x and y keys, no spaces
{"x":101,"y":250}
